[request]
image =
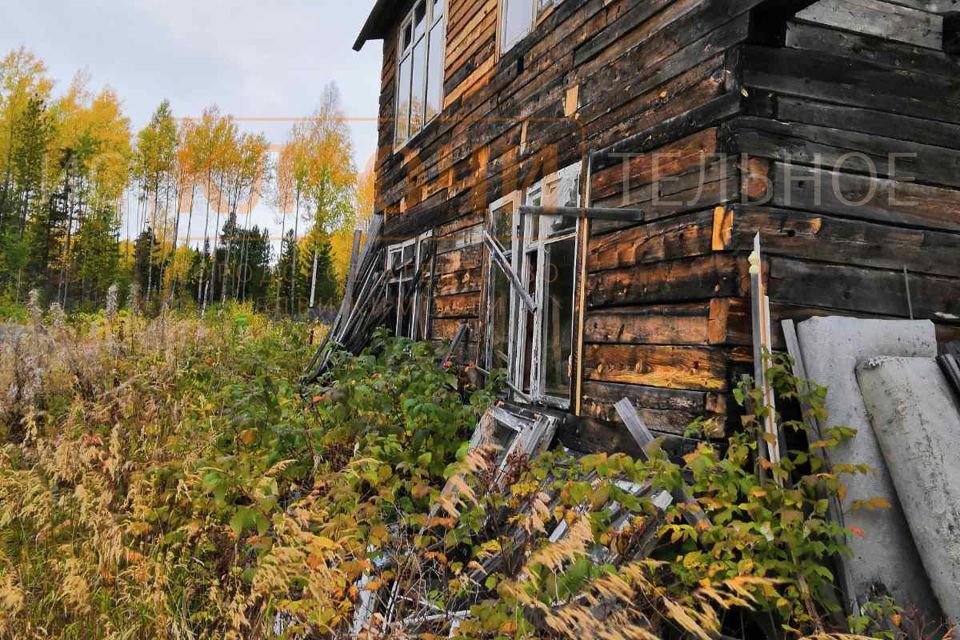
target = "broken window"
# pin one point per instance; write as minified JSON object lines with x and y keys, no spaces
{"x":518,"y":17}
{"x":409,"y":276}
{"x":420,"y":68}
{"x":530,"y":319}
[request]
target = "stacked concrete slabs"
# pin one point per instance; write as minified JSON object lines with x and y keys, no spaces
{"x":885,"y":560}
{"x":916,"y":420}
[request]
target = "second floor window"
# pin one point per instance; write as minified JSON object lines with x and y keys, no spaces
{"x":518,"y":17}
{"x":420,"y":70}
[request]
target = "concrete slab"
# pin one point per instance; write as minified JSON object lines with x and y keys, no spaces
{"x":885,"y":559}
{"x":916,"y":419}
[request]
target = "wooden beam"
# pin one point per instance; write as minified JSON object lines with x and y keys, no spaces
{"x":589,"y":213}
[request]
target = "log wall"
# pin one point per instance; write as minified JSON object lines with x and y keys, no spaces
{"x":723,"y":114}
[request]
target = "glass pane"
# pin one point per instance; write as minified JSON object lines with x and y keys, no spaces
{"x":405,"y":310}
{"x":423,"y":309}
{"x":420,"y":19}
{"x":517,"y":20}
{"x":407,"y":37}
{"x":528,"y":329}
{"x":403,"y":101}
{"x":503,"y":437}
{"x":419,"y":77}
{"x":435,"y":72}
{"x":393,"y":293}
{"x":501,"y":225}
{"x":500,"y":321}
{"x":437,"y":10}
{"x":558,"y":317}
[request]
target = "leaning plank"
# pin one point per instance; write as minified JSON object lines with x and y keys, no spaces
{"x":462,"y":333}
{"x":504,"y":264}
{"x":762,"y":348}
{"x":691,"y":510}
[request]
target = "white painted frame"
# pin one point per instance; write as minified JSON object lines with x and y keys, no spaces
{"x":417,"y":283}
{"x":539,"y":9}
{"x":527,"y":242}
{"x":432,"y":21}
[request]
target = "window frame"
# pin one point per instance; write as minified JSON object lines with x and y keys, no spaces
{"x":528,"y":256}
{"x":432,"y":21}
{"x":540,"y":9}
{"x":425,"y":279}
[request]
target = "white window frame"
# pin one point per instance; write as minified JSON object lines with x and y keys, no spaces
{"x":432,"y":21}
{"x":523,"y":244}
{"x":539,"y":9}
{"x":403,"y":281}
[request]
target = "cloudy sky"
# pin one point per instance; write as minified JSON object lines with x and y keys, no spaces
{"x":264,"y":60}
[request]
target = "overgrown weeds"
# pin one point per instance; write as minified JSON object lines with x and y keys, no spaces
{"x":168,"y":479}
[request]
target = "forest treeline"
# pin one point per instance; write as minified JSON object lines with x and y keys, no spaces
{"x":164,"y":215}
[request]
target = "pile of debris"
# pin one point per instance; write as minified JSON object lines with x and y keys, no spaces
{"x":516,"y":433}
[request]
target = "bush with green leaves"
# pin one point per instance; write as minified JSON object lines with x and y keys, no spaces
{"x":169,"y":478}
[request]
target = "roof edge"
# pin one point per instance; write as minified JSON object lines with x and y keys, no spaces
{"x":376,"y":24}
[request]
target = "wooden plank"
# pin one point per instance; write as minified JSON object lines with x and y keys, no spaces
{"x":444,"y":330}
{"x":689,"y":507}
{"x":836,"y":78}
{"x":871,"y":291}
{"x":865,"y":198}
{"x":895,"y":56}
{"x":847,"y":151}
{"x":880,"y":19}
{"x":762,"y":348}
{"x":827,"y":238}
{"x":687,"y":324}
{"x":871,"y":121}
{"x":680,"y":237}
{"x":684,"y":280}
{"x":470,"y":257}
{"x":693,"y":368}
{"x":467,"y":281}
{"x":664,"y":410}
{"x":466,"y":305}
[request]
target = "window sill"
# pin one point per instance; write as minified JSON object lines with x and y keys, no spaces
{"x":416,"y":138}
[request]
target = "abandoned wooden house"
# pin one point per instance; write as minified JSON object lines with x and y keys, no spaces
{"x":579,"y":183}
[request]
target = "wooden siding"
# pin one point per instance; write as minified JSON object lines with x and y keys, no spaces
{"x":723,"y":127}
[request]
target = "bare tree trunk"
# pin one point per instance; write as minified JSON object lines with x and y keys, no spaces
{"x":212,"y":281}
{"x":193,"y":192}
{"x":201,"y":296}
{"x":153,"y":233}
{"x":163,"y":242}
{"x":313,"y":280}
{"x":283,"y":230}
{"x":293,"y":261}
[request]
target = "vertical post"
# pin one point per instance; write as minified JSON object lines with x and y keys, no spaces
{"x":583,"y":244}
{"x":762,"y":341}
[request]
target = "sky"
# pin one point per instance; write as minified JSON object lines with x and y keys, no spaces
{"x":264,"y":62}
